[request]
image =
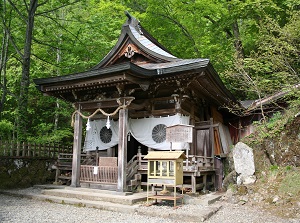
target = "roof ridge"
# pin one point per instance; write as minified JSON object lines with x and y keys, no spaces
{"x":133,"y":22}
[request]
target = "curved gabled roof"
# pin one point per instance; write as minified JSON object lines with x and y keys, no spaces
{"x":140,"y":66}
{"x":133,"y":33}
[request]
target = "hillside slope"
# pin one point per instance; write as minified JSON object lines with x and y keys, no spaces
{"x":276,"y":147}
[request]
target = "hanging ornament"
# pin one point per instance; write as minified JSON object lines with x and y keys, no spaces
{"x":108,"y":123}
{"x":88,"y":125}
{"x":128,"y":137}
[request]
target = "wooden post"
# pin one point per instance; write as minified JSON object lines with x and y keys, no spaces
{"x":111,"y":152}
{"x":97,"y":156}
{"x":193,"y":122}
{"x":75,"y":181}
{"x":139,"y":157}
{"x":240,"y":130}
{"x":122,"y":150}
{"x":212,"y":142}
{"x":23,"y":151}
{"x":194,"y":184}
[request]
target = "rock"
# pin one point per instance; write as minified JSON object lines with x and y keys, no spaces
{"x":275,"y":199}
{"x":243,"y":200}
{"x":258,"y":197}
{"x":242,"y":190}
{"x":244,"y":163}
{"x":245,"y":180}
{"x":229,"y":193}
{"x":229,"y":179}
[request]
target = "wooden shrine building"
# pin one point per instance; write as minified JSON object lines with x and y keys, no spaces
{"x":139,"y":80}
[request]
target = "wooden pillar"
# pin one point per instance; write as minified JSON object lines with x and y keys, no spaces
{"x":122,"y":150}
{"x":194,"y":184}
{"x":75,"y":182}
{"x":212,"y":137}
{"x":193,"y":122}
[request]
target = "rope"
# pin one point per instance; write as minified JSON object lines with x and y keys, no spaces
{"x":95,"y":112}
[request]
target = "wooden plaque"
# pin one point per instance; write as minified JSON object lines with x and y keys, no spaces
{"x":179,"y":133}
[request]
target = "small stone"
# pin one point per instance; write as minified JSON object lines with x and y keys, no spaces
{"x":242,"y":190}
{"x":275,"y":199}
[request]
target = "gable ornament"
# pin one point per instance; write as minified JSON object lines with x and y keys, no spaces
{"x":129,"y":53}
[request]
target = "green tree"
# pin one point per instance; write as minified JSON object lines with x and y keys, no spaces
{"x":19,"y":63}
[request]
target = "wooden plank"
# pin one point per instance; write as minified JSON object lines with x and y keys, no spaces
{"x":164,"y":112}
{"x":23,"y":149}
{"x":212,"y":142}
{"x":225,"y":138}
{"x":216,"y":115}
{"x":108,"y":161}
{"x":217,"y":142}
{"x":202,"y":141}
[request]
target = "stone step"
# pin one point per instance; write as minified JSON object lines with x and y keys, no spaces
{"x":103,"y":205}
{"x":202,"y":214}
{"x":112,"y":187}
{"x":204,"y":206}
{"x":207,"y":199}
{"x":97,"y":195}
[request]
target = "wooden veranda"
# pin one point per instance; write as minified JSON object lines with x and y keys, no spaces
{"x":105,"y":174}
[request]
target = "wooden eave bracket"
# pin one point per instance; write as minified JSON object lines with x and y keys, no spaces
{"x":143,"y":83}
{"x":125,"y":101}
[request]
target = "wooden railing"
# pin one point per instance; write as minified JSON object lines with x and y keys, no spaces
{"x":192,"y":163}
{"x":198,"y":163}
{"x":132,"y":167}
{"x":136,"y":163}
{"x":14,"y":149}
{"x":63,"y":166}
{"x":99,"y":174}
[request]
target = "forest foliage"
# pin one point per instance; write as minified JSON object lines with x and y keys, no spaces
{"x":253,"y":45}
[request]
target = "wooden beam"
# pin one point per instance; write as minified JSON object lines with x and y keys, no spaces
{"x":137,"y":80}
{"x":90,"y":105}
{"x":122,"y":150}
{"x":165,"y":112}
{"x":86,"y":83}
{"x":75,"y":181}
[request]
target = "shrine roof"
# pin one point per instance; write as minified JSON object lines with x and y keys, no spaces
{"x":133,"y":33}
{"x":141,"y":70}
{"x":137,"y":63}
{"x":148,"y":44}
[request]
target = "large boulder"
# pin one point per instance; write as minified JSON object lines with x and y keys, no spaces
{"x":244,"y":163}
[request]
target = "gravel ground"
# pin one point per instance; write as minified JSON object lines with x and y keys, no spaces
{"x":23,"y":210}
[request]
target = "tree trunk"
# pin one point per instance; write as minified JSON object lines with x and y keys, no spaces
{"x":61,"y":17}
{"x":3,"y":59}
{"x":25,"y":81}
{"x":236,"y":35}
{"x":237,"y":41}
